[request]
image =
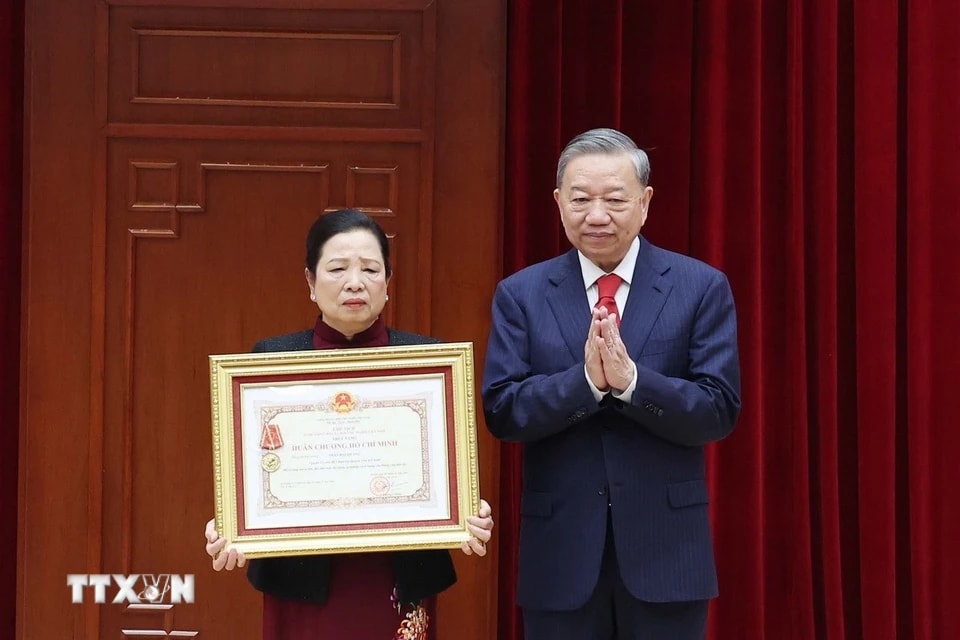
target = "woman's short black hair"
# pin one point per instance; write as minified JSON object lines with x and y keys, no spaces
{"x":343,"y":221}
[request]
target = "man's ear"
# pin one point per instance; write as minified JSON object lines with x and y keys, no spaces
{"x":645,"y":202}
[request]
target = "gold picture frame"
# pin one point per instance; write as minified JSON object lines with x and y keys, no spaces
{"x":344,"y":450}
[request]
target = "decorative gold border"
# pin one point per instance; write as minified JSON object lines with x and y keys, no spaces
{"x":407,"y":360}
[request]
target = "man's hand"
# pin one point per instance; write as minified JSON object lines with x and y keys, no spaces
{"x":617,"y":365}
{"x":592,"y":350}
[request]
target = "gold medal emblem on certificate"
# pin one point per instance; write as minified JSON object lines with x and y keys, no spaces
{"x":270,"y":462}
{"x":343,"y":402}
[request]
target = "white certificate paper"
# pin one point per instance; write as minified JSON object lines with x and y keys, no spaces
{"x":344,"y":452}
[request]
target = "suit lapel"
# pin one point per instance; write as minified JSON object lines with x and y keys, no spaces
{"x":649,"y":291}
{"x":567,"y":299}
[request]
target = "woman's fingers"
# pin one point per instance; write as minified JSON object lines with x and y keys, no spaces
{"x":473,"y":546}
{"x":221,"y":559}
{"x":229,"y":560}
{"x":485,"y":510}
{"x":213,"y":548}
{"x":480,"y":527}
{"x":479,"y":532}
{"x":211,"y":531}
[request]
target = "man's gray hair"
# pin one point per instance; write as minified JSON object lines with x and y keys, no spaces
{"x":605,"y":141}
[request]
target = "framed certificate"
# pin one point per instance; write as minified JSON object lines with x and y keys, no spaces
{"x":345,"y":450}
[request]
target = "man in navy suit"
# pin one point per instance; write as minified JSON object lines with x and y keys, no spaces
{"x":613,"y":412}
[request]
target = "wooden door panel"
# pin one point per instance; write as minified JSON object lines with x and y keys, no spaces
{"x":262,"y":66}
{"x":176,"y":157}
{"x":175,"y":203}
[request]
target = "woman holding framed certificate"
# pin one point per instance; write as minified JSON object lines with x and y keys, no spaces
{"x":362,"y":596}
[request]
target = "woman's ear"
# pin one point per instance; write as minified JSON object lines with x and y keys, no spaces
{"x":311,"y":279}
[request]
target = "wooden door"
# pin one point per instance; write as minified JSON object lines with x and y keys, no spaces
{"x":176,"y":155}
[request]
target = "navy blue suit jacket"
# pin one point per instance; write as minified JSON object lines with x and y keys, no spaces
{"x":644,"y":459}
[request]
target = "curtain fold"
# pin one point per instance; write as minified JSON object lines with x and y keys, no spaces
{"x":807,"y":149}
{"x":929,"y":137}
{"x":11,"y":83}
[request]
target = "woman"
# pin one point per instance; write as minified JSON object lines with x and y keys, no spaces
{"x":375,"y":596}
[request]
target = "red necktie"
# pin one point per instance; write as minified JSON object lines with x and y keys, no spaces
{"x":607,"y":286}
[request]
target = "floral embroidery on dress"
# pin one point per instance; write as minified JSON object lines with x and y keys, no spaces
{"x":415,"y":622}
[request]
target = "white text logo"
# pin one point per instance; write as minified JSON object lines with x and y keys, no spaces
{"x":139,"y":588}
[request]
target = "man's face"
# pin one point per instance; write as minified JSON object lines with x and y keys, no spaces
{"x":602,"y":206}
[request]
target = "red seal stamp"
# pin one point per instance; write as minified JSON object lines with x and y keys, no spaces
{"x":379,"y":486}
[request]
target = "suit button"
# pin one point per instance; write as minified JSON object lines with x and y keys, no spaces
{"x":602,"y":491}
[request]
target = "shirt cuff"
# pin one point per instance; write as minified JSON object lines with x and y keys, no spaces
{"x":627,"y":394}
{"x":597,"y":394}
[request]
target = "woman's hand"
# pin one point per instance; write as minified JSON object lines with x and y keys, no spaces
{"x":481,"y":528}
{"x":232,"y":558}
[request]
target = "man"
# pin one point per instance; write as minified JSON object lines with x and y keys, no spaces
{"x":613,"y":413}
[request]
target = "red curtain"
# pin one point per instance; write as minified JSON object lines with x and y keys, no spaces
{"x":808,"y":149}
{"x":11,"y":99}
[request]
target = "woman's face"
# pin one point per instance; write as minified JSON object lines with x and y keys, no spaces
{"x":350,"y":284}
